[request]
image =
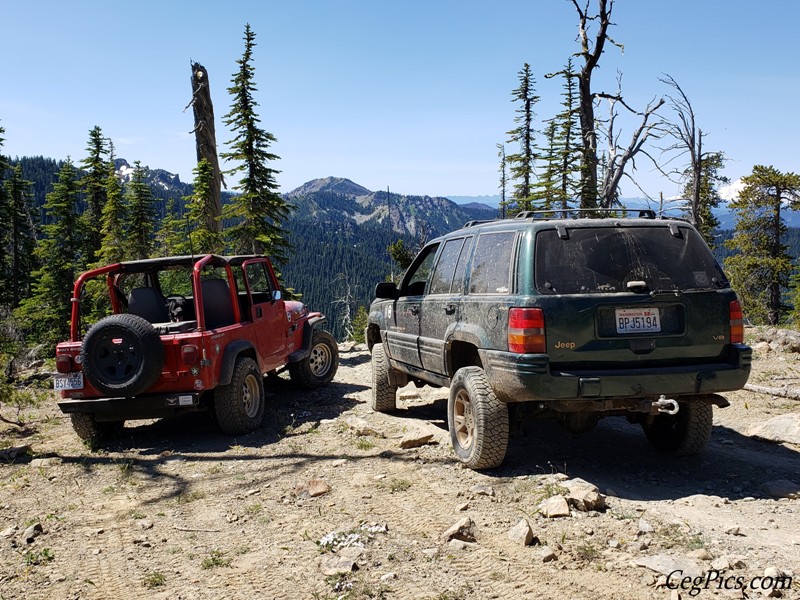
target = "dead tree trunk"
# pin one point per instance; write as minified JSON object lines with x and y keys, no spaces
{"x":206,"y":138}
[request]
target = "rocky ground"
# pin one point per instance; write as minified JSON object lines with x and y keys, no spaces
{"x":331,"y":500}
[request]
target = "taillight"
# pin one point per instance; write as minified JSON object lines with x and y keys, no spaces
{"x":526,"y":331}
{"x":64,"y":363}
{"x":737,"y":324}
{"x":189,"y":354}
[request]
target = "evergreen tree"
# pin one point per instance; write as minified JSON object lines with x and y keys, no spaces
{"x":5,"y":220}
{"x":174,"y":239}
{"x":521,"y":163}
{"x":142,"y":215}
{"x":762,"y":264}
{"x":258,"y":212}
{"x":709,"y":198}
{"x":94,"y":185}
{"x":545,"y":191}
{"x":113,"y":218}
{"x":202,"y":211}
{"x":565,"y":146}
{"x":46,"y":314}
{"x":21,"y":236}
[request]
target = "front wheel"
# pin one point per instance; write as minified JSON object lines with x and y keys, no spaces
{"x":477,"y":420}
{"x":383,"y":396}
{"x":684,"y":433}
{"x":321,"y":364}
{"x":239,"y":406}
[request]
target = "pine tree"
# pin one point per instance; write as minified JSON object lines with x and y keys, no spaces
{"x":710,"y":179}
{"x":545,"y":191}
{"x":46,"y":313}
{"x":521,"y":163}
{"x":94,"y":192}
{"x":142,"y":215}
{"x":259,"y":210}
{"x":21,"y":236}
{"x":761,"y":266}
{"x":113,"y":218}
{"x":5,"y":220}
{"x":201,"y":211}
{"x":565,"y":145}
{"x":174,"y":239}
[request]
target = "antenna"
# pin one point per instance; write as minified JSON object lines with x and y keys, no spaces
{"x":389,"y":218}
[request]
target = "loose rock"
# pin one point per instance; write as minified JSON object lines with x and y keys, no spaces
{"x":645,"y":527}
{"x":547,"y":554}
{"x":665,"y":564}
{"x":46,"y":462}
{"x":783,"y":428}
{"x":312,"y":488}
{"x":463,"y":530}
{"x":584,"y":496}
{"x":521,"y":533}
{"x":32,"y":532}
{"x":554,"y":507}
{"x":482,"y":490}
{"x":700,"y":554}
{"x":362,"y":427}
{"x":415,"y":440}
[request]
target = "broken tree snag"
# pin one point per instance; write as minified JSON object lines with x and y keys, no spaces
{"x":781,"y":392}
{"x":206,"y":137}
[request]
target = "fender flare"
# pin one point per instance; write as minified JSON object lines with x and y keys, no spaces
{"x":308,"y":333}
{"x":232,"y":352}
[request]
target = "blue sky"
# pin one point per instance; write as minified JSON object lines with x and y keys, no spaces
{"x":413,"y":95}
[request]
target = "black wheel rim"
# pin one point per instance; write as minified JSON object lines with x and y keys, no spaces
{"x":117,"y":357}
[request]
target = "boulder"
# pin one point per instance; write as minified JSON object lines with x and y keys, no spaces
{"x":783,"y":428}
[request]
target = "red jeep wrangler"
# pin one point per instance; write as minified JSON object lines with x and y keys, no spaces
{"x":187,"y":333}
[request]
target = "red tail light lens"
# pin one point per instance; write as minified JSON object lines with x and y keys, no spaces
{"x":64,"y":363}
{"x":737,"y":323}
{"x":526,"y":331}
{"x":189,"y":354}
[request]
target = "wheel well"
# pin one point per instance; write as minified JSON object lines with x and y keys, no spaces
{"x":463,"y":354}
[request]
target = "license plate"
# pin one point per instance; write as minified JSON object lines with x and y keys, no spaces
{"x":637,"y":320}
{"x":68,"y":381}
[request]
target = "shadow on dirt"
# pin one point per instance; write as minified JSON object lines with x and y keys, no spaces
{"x":353,"y":358}
{"x":616,"y":456}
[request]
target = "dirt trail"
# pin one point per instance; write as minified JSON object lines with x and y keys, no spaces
{"x":173,"y":509}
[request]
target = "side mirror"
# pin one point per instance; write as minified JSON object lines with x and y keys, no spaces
{"x":386,"y":290}
{"x":276,"y":295}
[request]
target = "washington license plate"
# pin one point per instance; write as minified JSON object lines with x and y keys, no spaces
{"x":68,"y":381}
{"x":637,"y":320}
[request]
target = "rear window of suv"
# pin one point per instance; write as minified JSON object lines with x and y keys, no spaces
{"x":617,"y":259}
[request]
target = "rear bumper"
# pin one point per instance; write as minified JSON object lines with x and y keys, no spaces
{"x":529,"y":377}
{"x":149,"y":406}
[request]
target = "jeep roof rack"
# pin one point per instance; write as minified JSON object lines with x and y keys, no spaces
{"x":554,"y":213}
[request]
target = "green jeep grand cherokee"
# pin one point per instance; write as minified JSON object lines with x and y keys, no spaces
{"x":566,"y":318}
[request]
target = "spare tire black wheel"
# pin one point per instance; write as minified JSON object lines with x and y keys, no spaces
{"x":122,"y":355}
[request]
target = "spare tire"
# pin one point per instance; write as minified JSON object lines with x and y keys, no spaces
{"x":122,"y":355}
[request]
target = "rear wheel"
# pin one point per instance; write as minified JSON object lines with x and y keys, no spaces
{"x":477,"y":420}
{"x":94,"y":432}
{"x":684,"y":433}
{"x":321,"y":364}
{"x":383,"y":397}
{"x":239,"y":406}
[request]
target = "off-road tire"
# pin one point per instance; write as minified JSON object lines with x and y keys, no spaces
{"x":477,"y":420}
{"x":93,"y":432}
{"x":682,"y":434}
{"x":240,"y":405}
{"x":122,"y":369}
{"x":319,"y":367}
{"x":383,"y":397}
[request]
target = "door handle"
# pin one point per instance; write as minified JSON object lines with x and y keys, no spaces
{"x":258,"y":312}
{"x":414,"y":310}
{"x":449,"y":309}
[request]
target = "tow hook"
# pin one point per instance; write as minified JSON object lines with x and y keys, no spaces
{"x":666,"y":405}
